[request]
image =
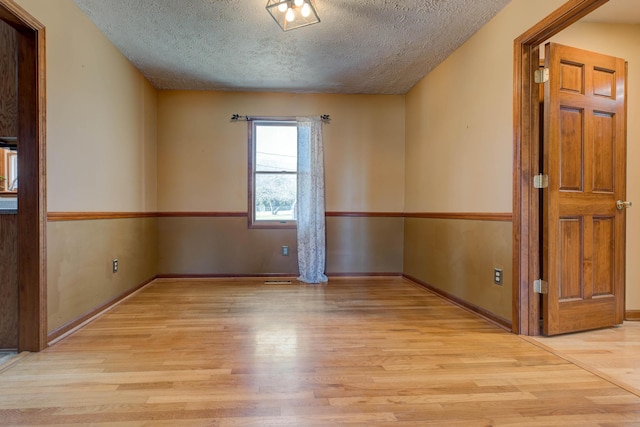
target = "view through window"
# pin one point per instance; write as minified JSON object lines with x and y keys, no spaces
{"x":274,"y":172}
{"x":8,"y":170}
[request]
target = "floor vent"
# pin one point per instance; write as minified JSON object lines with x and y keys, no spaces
{"x":277,"y":282}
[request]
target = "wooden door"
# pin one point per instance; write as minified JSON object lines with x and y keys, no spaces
{"x":585,"y":158}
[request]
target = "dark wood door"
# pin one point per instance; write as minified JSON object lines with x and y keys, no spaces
{"x":585,"y":158}
{"x":8,"y":84}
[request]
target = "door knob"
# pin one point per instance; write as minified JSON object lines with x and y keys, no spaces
{"x":620,"y":205}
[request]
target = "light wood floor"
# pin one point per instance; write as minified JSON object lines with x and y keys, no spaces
{"x":613,"y":353}
{"x":375,"y":352}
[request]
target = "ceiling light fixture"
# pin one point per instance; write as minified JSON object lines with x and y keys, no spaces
{"x":292,"y":14}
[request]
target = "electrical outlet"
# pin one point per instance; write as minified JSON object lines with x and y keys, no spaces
{"x":497,"y":276}
{"x":285,"y":250}
{"x":115,"y":265}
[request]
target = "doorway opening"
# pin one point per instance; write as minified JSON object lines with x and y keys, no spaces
{"x":527,"y":155}
{"x":31,"y":217}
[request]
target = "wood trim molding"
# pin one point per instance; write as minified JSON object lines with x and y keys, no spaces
{"x":226,"y":276}
{"x":83,"y":216}
{"x":382,"y":274}
{"x":72,"y":325}
{"x":526,"y":245}
{"x":80,"y":216}
{"x":14,"y":15}
{"x":633,"y":315}
{"x":364,"y":214}
{"x":558,"y":20}
{"x":486,"y":314}
{"x":176,"y":214}
{"x":473,"y":216}
{"x":263,"y":275}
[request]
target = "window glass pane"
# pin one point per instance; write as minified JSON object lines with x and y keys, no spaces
{"x":275,"y":196}
{"x":276,"y":148}
{"x":14,"y":167}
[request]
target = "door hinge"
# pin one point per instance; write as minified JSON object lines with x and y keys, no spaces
{"x":541,"y":181}
{"x":541,"y":75}
{"x":540,"y":286}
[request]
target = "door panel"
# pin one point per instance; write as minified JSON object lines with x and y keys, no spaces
{"x":585,"y":158}
{"x":603,"y":148}
{"x":570,"y":259}
{"x":571,"y":169}
{"x":603,"y":256}
{"x":604,"y":83}
{"x":571,"y":77}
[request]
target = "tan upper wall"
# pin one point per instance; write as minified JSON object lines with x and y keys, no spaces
{"x":101,"y":115}
{"x":621,"y":41}
{"x":459,"y":128}
{"x":202,"y":156}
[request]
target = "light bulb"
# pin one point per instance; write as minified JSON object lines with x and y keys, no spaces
{"x":282,"y":7}
{"x":306,"y":10}
{"x":298,"y":3}
{"x":290,"y":16}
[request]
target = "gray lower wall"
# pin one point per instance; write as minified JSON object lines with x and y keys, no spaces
{"x":79,"y":263}
{"x":222,"y":245}
{"x":225,"y":245}
{"x":364,"y":244}
{"x":458,"y":257}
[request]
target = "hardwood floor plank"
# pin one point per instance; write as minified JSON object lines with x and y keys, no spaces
{"x":612,"y":353}
{"x":355,"y":352}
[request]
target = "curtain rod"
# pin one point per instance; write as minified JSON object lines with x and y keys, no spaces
{"x":238,"y":118}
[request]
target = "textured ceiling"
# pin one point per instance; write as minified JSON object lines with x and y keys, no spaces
{"x":361,"y":46}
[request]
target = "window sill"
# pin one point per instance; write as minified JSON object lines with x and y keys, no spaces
{"x":273,"y":225}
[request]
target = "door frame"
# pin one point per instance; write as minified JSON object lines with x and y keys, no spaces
{"x":526,"y":152}
{"x":32,"y":283}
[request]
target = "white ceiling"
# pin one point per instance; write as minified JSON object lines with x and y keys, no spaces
{"x":361,"y":46}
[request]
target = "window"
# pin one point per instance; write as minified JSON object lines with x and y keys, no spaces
{"x":273,"y":160}
{"x":12,"y":171}
{"x":8,"y":170}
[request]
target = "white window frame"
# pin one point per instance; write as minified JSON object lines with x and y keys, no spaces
{"x":253,"y":221}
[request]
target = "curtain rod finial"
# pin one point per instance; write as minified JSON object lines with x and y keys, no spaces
{"x":237,"y":117}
